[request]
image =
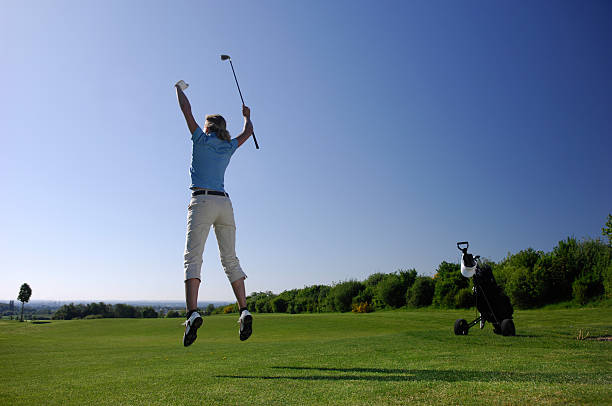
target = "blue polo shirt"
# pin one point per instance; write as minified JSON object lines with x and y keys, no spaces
{"x":209,"y":160}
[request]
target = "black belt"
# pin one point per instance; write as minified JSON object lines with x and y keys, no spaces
{"x":209,"y":192}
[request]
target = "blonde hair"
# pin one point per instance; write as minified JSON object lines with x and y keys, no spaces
{"x":216,"y":123}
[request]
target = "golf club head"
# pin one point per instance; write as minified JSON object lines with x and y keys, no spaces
{"x":225,"y":57}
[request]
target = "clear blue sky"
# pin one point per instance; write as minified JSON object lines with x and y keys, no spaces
{"x":388,"y":131}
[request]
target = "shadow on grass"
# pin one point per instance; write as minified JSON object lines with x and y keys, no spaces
{"x":384,"y":374}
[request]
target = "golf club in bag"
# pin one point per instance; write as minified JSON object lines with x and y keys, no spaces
{"x":491,"y":301}
{"x":227,"y":57}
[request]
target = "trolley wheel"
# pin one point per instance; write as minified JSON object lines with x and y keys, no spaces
{"x":461,"y":327}
{"x":507,"y":327}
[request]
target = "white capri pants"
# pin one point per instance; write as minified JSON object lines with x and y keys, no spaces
{"x":204,"y":211}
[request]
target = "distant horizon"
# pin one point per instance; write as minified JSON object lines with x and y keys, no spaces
{"x":111,"y":301}
{"x":224,"y":301}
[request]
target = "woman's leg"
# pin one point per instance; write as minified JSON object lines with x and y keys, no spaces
{"x":192,"y":287}
{"x":239,"y":292}
{"x":246,"y":319}
{"x":201,"y":216}
{"x":226,"y":237}
{"x":199,"y":220}
{"x":225,"y":230}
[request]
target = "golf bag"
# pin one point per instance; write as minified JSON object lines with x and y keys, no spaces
{"x":491,"y":301}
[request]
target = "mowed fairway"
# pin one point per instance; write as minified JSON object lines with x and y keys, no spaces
{"x":394,"y":358}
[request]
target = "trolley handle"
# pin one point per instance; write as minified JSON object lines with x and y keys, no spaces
{"x":467,"y":245}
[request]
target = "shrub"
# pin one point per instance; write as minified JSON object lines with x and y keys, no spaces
{"x":69,"y":312}
{"x":392,"y":290}
{"x":586,"y":287}
{"x":342,"y":294}
{"x":93,"y":316}
{"x":580,"y":290}
{"x":149,"y":313}
{"x":568,"y":262}
{"x":597,"y":259}
{"x":407,"y":276}
{"x":280,"y":305}
{"x":172,"y":314}
{"x":126,"y":311}
{"x":210,"y":308}
{"x":362,"y":308}
{"x":99,"y":308}
{"x":264,"y":305}
{"x":607,"y":281}
{"x":322,"y":294}
{"x":444,"y":294}
{"x":290,"y":297}
{"x":521,"y":287}
{"x":574,"y":269}
{"x":365,"y":296}
{"x":448,"y":281}
{"x":374,"y":279}
{"x":464,"y":299}
{"x":230,"y":309}
{"x":421,"y":292}
{"x":309,"y":299}
{"x":546,"y":283}
{"x":527,"y":278}
{"x":260,"y":302}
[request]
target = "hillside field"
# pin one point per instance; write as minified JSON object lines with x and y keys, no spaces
{"x":382,"y":358}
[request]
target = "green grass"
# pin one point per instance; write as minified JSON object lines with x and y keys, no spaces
{"x":354,"y":359}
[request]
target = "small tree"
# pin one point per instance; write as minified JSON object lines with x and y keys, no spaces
{"x":24,"y":296}
{"x":421,"y":293}
{"x":392,"y":291}
{"x":343,"y":293}
{"x":448,"y":281}
{"x":209,"y":309}
{"x":149,"y":313}
{"x":280,"y":305}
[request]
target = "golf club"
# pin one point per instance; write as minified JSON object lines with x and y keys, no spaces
{"x":227,"y":57}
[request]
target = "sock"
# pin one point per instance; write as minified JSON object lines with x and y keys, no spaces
{"x":242,"y":309}
{"x":190,"y":312}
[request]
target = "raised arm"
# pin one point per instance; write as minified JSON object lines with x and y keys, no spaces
{"x":248,"y":126}
{"x":186,"y":109}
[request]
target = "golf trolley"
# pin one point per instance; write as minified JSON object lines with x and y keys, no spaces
{"x":491,"y":301}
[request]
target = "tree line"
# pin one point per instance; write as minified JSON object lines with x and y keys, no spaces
{"x":575,"y":270}
{"x":102,"y":310}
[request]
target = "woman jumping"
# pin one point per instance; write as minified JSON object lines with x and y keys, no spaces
{"x":211,"y":205}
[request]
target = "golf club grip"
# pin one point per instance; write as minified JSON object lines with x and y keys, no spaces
{"x":255,"y":139}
